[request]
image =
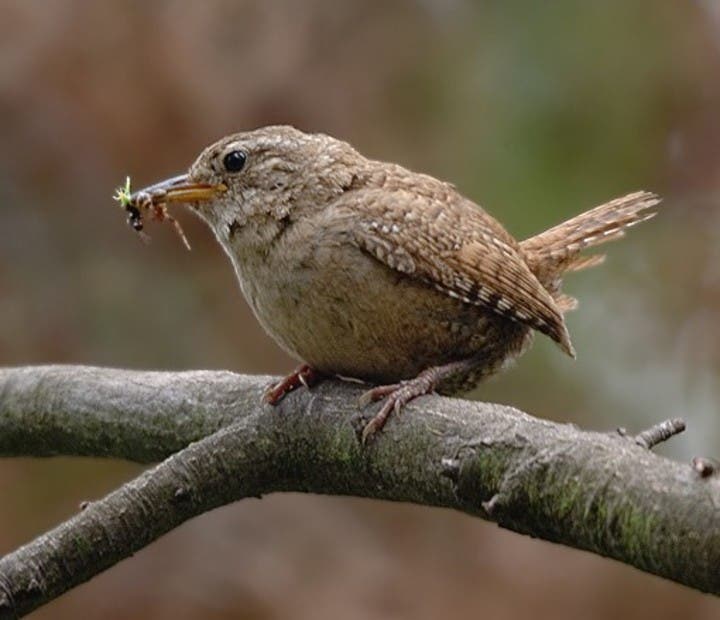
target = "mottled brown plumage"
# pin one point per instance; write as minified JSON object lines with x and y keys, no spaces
{"x":365,"y":269}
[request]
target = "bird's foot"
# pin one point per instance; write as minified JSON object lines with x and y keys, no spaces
{"x":303,"y":375}
{"x":396,"y":396}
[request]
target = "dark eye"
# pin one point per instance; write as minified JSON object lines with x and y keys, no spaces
{"x":234,"y":161}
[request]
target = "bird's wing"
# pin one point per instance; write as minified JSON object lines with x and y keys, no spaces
{"x":447,"y":241}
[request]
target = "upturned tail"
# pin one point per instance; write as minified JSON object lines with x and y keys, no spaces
{"x":557,"y":250}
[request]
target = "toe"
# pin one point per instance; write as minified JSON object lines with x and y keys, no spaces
{"x":370,"y":429}
{"x":273,"y":394}
{"x":377,"y":393}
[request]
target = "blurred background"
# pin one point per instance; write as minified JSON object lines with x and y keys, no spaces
{"x":535,"y":110}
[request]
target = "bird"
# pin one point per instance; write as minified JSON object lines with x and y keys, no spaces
{"x":364,"y":269}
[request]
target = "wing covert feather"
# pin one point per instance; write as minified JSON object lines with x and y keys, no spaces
{"x":449,"y":242}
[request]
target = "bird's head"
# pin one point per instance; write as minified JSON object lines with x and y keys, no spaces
{"x":266,"y":173}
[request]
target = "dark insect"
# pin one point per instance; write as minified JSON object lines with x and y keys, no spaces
{"x":134,"y":217}
{"x":151,"y":202}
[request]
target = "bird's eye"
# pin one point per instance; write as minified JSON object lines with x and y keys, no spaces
{"x":234,"y":161}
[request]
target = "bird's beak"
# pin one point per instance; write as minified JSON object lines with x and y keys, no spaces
{"x":180,"y":189}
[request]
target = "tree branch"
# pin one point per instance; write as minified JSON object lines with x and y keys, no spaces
{"x":596,"y":491}
{"x":139,"y":416}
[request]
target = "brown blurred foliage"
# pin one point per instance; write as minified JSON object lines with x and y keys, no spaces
{"x":537,"y":110}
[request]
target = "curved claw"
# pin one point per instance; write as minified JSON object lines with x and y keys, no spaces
{"x":393,"y":404}
{"x":377,"y":393}
{"x":303,"y":376}
{"x":370,"y":429}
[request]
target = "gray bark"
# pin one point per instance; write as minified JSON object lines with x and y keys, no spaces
{"x":602,"y":492}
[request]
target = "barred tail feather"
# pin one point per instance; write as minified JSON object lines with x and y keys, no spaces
{"x":557,"y":250}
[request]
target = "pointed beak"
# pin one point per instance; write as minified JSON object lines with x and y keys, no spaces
{"x":180,"y":189}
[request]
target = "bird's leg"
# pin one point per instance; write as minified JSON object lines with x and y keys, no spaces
{"x":397,"y":395}
{"x":303,"y":375}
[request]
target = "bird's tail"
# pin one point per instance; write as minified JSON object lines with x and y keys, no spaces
{"x":557,"y":250}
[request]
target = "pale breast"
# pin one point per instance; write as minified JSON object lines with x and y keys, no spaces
{"x":333,"y":306}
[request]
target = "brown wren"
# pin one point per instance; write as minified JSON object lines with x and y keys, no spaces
{"x":363,"y":269}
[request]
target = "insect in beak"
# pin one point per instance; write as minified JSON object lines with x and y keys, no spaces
{"x":153,"y":200}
